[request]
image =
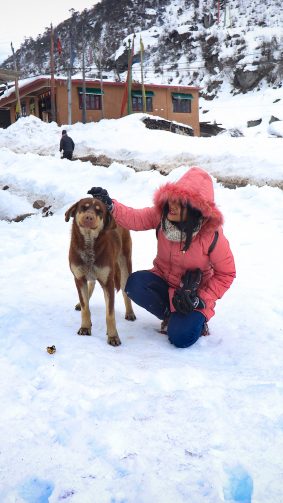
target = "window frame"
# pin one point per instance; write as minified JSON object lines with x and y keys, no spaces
{"x":92,"y":101}
{"x":137,"y":104}
{"x":181,"y":106}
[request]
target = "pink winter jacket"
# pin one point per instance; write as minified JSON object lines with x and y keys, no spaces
{"x":171,"y":262}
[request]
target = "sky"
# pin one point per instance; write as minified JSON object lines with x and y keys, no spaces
{"x":144,"y":421}
{"x":29,"y":19}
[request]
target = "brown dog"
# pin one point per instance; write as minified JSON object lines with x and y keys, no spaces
{"x":99,"y":250}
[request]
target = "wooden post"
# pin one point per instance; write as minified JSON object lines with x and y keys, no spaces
{"x":18,"y":106}
{"x":130,"y":60}
{"x":36,"y":106}
{"x":69,"y":82}
{"x":142,"y":79}
{"x":218,"y":11}
{"x":101,"y":78}
{"x":84,"y":87}
{"x":69,"y":91}
{"x":52,"y":83}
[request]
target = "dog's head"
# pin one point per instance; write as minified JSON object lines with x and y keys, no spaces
{"x":90,"y":214}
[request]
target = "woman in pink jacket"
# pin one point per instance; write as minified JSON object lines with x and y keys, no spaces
{"x":194,"y":265}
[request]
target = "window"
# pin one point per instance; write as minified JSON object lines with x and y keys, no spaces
{"x":137,"y":104}
{"x":181,"y":106}
{"x":92,"y":98}
{"x":182,"y":103}
{"x":137,"y":100}
{"x":92,"y":101}
{"x":32,"y":106}
{"x":24,"y":109}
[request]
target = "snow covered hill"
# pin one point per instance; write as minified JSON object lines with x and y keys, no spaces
{"x":238,"y":46}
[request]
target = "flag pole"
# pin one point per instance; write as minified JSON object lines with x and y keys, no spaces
{"x":84,"y":86}
{"x":101,"y":78}
{"x":18,"y":106}
{"x":218,"y":11}
{"x":127,"y":97}
{"x":52,"y":86}
{"x":130,"y":62}
{"x":69,"y":81}
{"x":129,"y":108}
{"x":142,"y":79}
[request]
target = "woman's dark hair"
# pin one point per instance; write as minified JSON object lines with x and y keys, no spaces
{"x":188,"y":226}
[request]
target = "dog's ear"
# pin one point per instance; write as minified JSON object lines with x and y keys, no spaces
{"x":109,"y":223}
{"x":71,"y":212}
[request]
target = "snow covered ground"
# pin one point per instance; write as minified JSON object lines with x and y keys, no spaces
{"x":144,"y":422}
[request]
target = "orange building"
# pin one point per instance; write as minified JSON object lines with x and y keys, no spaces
{"x":173,"y":103}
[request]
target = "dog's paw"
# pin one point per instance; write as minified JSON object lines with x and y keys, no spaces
{"x":114,"y":340}
{"x":78,"y":307}
{"x":84,"y":331}
{"x":130,"y":316}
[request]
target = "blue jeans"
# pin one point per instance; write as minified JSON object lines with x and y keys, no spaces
{"x":151,"y":292}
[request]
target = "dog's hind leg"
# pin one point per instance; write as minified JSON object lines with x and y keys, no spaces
{"x":124,"y":267}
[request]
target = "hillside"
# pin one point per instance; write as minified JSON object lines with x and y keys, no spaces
{"x":186,"y":42}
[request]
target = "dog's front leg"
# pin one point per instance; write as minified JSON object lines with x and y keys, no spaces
{"x":112,"y":334}
{"x":82,"y":288}
{"x":91,"y":285}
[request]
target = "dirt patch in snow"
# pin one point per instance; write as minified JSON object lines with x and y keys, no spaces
{"x":230,"y":182}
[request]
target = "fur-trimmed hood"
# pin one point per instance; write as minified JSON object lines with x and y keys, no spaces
{"x":194,"y":187}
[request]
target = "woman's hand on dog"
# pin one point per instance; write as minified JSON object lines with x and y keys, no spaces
{"x":102,"y":195}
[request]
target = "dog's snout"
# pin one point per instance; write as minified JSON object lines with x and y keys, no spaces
{"x":89,"y":217}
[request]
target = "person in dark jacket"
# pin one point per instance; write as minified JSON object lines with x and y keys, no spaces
{"x":67,"y":145}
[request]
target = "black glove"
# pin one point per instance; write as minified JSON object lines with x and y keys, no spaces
{"x":102,"y":195}
{"x":185,"y":299}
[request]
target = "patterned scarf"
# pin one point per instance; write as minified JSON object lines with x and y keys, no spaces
{"x":173,"y":233}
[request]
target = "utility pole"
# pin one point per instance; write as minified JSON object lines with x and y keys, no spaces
{"x":84,"y":87}
{"x":18,"y":106}
{"x":52,"y":87}
{"x":69,"y":85}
